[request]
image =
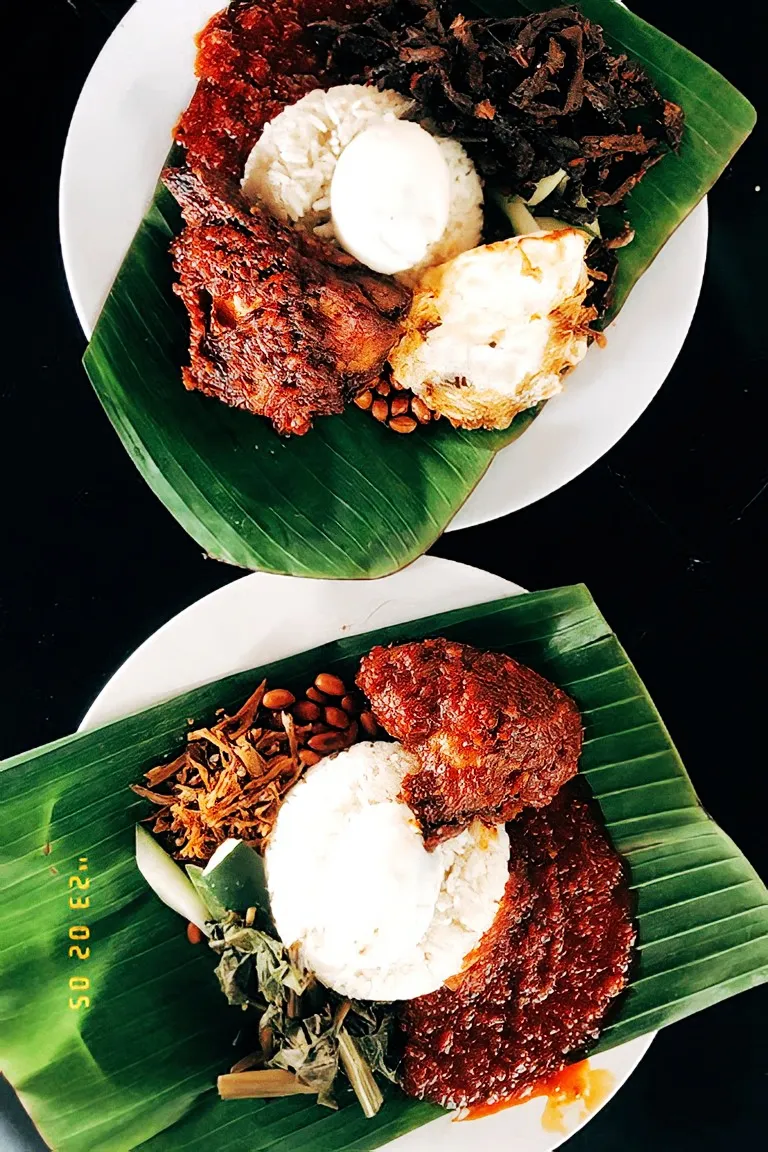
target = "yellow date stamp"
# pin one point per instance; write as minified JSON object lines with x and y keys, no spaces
{"x":79,"y":948}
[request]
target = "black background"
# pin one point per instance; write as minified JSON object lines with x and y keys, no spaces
{"x":668,"y":530}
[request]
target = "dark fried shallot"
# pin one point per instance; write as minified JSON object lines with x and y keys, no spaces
{"x":527,"y":96}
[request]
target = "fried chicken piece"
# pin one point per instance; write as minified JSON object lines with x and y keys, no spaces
{"x":281,"y":323}
{"x":492,"y":736}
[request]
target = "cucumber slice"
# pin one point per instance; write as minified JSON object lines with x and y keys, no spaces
{"x":168,"y":881}
{"x":545,"y":187}
{"x":234,"y":879}
{"x":216,"y":911}
{"x":553,"y":224}
{"x":517,"y":213}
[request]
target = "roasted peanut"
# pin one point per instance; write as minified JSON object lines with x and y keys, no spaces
{"x":336,"y":717}
{"x":351,"y":734}
{"x":306,"y":711}
{"x":380,"y":409}
{"x":368,"y":723}
{"x":420,"y":410}
{"x":278,"y":698}
{"x":399,"y":405}
{"x":194,"y":935}
{"x":317,"y":697}
{"x":329,"y":684}
{"x":308,"y":757}
{"x":364,"y":400}
{"x":325,"y":742}
{"x":351,"y":705}
{"x":403,"y":424}
{"x":383,"y":387}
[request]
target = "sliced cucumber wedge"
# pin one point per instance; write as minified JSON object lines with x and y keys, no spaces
{"x":168,"y":881}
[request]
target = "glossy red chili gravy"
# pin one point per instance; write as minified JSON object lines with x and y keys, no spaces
{"x":558,"y":953}
{"x":253,"y":59}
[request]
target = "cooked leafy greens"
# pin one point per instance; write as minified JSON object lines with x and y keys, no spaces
{"x":301,"y":1036}
{"x":295,"y":1023}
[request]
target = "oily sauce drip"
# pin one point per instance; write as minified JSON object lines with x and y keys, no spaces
{"x":576,"y":1084}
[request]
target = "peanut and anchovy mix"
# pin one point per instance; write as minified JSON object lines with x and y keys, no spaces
{"x":232,"y":776}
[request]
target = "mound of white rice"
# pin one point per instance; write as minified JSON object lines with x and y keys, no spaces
{"x":376,"y":916}
{"x":291,"y":166}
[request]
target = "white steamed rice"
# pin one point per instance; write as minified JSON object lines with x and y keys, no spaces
{"x":291,"y":166}
{"x":375,"y":915}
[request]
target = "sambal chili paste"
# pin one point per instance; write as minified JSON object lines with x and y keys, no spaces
{"x":558,"y":953}
{"x":253,"y":59}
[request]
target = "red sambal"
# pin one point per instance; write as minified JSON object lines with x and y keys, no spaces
{"x":558,"y":953}
{"x":254,"y":58}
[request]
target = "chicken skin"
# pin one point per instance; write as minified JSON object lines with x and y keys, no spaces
{"x":492,"y":736}
{"x":282,"y":324}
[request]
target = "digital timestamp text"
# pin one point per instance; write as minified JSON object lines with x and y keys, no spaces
{"x":79,"y":952}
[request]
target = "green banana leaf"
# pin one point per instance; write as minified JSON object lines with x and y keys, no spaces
{"x":351,"y":499}
{"x":137,"y":1067}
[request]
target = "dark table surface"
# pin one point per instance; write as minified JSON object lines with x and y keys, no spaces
{"x":669,"y":531}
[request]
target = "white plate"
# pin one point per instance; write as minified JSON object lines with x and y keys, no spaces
{"x":118,"y":140}
{"x":261,"y":618}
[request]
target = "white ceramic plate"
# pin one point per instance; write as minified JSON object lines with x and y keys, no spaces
{"x":119,"y":137}
{"x":261,"y":618}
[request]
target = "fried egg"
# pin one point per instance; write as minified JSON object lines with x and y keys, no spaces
{"x":494,"y":331}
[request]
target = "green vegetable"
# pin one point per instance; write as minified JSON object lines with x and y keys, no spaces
{"x":137,"y":1067}
{"x":235,"y":879}
{"x":301,"y":1025}
{"x":359,"y":1074}
{"x":554,"y":224}
{"x":376,"y":1044}
{"x":265,"y":1084}
{"x":167,"y":880}
{"x":514,"y":207}
{"x":545,"y":187}
{"x":254,"y":966}
{"x":216,"y":911}
{"x":524,"y":222}
{"x":352,"y":499}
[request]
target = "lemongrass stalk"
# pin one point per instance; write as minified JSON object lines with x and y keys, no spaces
{"x":359,"y":1075}
{"x":261,"y":1085}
